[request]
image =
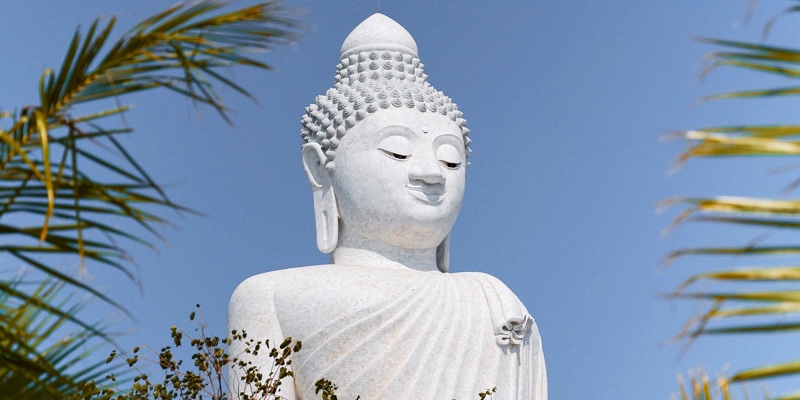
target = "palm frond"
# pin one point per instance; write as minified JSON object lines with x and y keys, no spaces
{"x":760,"y":299}
{"x":50,"y":155}
{"x":700,"y":387}
{"x":40,"y":359}
{"x":45,"y":153}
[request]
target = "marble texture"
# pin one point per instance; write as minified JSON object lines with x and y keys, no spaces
{"x":396,"y":333}
{"x":386,"y":155}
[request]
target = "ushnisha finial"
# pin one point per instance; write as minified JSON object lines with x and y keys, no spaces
{"x":378,"y":69}
{"x":379,"y":32}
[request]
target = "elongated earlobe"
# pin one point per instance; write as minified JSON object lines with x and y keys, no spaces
{"x":443,"y":254}
{"x":326,"y":213}
{"x":327,"y":219}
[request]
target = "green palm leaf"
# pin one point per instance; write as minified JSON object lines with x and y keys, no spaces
{"x":40,"y":360}
{"x":760,"y":299}
{"x":47,"y":151}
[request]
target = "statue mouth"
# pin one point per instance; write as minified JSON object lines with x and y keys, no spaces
{"x":430,"y":195}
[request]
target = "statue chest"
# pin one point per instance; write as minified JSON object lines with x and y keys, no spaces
{"x":377,"y":334}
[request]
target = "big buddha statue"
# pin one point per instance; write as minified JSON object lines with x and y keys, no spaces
{"x":385,"y":154}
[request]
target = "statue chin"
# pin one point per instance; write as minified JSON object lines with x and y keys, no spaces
{"x":386,"y":156}
{"x":417,"y":234}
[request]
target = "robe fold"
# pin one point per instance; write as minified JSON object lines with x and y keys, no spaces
{"x":412,"y":335}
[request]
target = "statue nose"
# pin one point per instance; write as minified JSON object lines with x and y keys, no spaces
{"x":428,"y":171}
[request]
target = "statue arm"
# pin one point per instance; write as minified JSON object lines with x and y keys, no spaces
{"x":540,"y":377}
{"x":252,"y":309}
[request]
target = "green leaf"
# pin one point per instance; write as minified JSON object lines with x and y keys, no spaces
{"x":50,"y":159}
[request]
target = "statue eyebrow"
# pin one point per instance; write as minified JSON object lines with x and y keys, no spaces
{"x":449,"y":138}
{"x":388,"y":130}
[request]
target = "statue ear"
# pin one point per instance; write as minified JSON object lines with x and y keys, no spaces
{"x":326,"y":213}
{"x":443,"y":254}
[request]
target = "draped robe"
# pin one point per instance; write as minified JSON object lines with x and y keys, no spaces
{"x":386,"y":333}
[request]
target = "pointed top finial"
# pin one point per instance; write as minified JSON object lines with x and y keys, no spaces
{"x":379,"y":32}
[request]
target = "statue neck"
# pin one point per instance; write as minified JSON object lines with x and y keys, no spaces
{"x":360,"y":251}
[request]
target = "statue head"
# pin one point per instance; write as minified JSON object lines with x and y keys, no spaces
{"x":384,"y":151}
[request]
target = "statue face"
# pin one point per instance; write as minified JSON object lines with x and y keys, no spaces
{"x":399,"y":178}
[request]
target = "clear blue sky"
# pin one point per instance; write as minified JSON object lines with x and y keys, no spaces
{"x":566,"y":101}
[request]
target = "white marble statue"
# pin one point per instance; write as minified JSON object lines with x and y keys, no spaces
{"x":386,"y":154}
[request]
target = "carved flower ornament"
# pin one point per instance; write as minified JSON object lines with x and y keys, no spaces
{"x":513,"y":331}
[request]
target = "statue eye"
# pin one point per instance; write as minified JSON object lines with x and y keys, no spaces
{"x":396,"y":156}
{"x":449,"y":156}
{"x":450,"y":165}
{"x":396,"y":147}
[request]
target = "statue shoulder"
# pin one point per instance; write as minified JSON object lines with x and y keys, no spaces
{"x":256,"y":303}
{"x":494,"y":285}
{"x":265,"y":286}
{"x":487,"y":279}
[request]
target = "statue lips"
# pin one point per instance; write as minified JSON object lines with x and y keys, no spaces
{"x":430,"y":194}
